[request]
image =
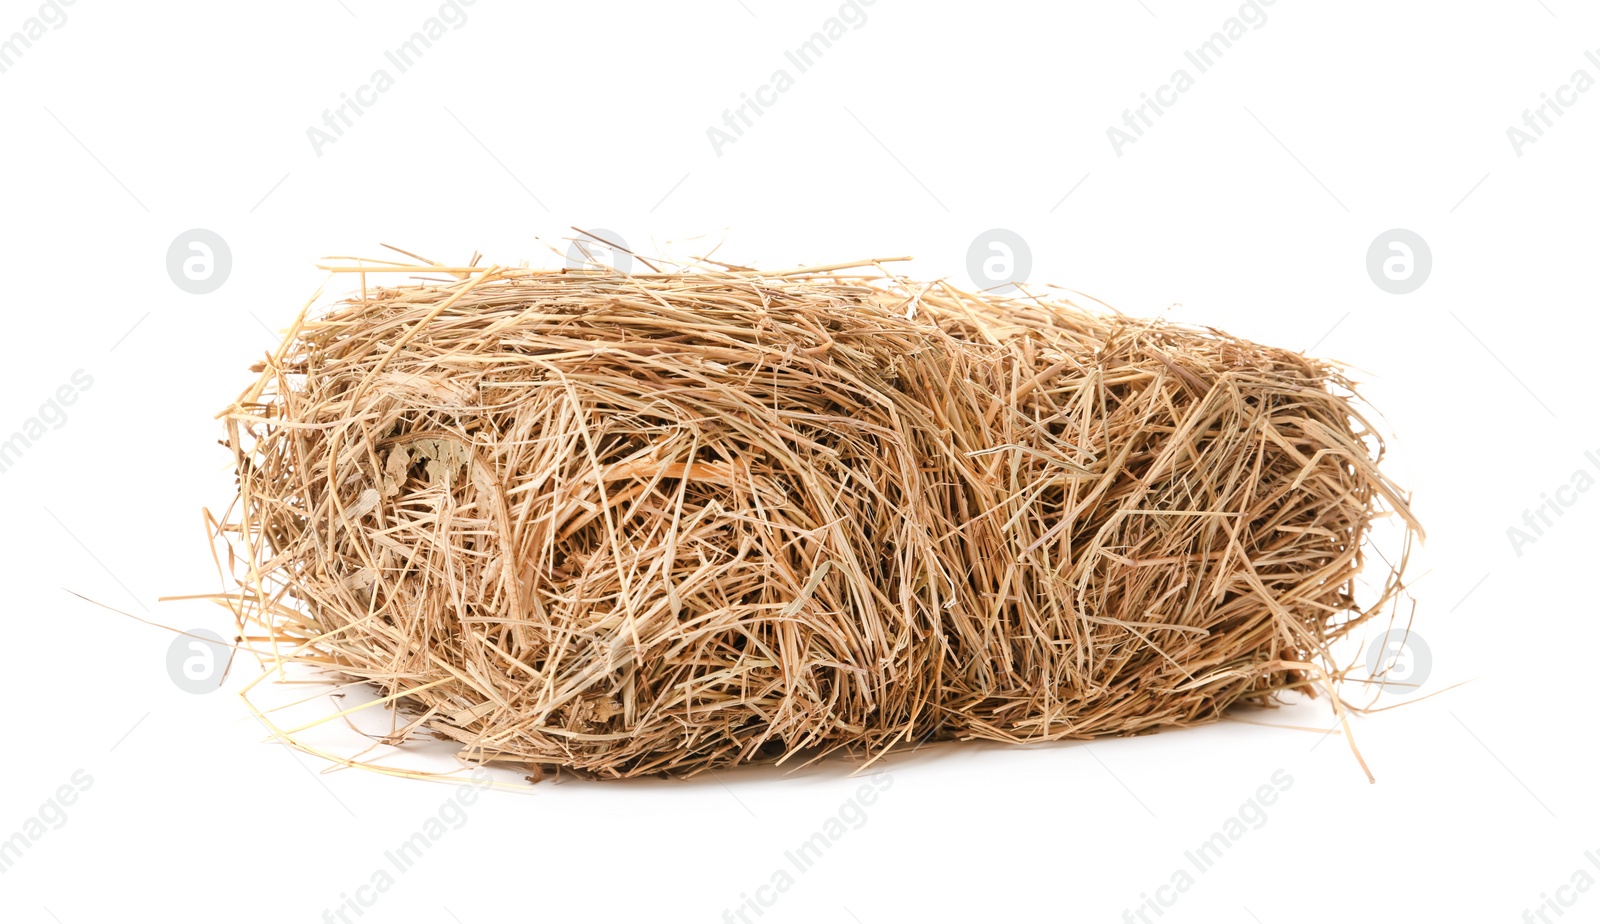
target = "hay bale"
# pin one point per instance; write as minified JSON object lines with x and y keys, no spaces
{"x":628,"y":524}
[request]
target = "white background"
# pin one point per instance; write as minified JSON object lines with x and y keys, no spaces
{"x":1249,"y":205}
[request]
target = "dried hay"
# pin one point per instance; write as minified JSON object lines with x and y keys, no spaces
{"x":666,"y":522}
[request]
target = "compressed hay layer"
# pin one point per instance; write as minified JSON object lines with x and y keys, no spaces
{"x":671,"y":522}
